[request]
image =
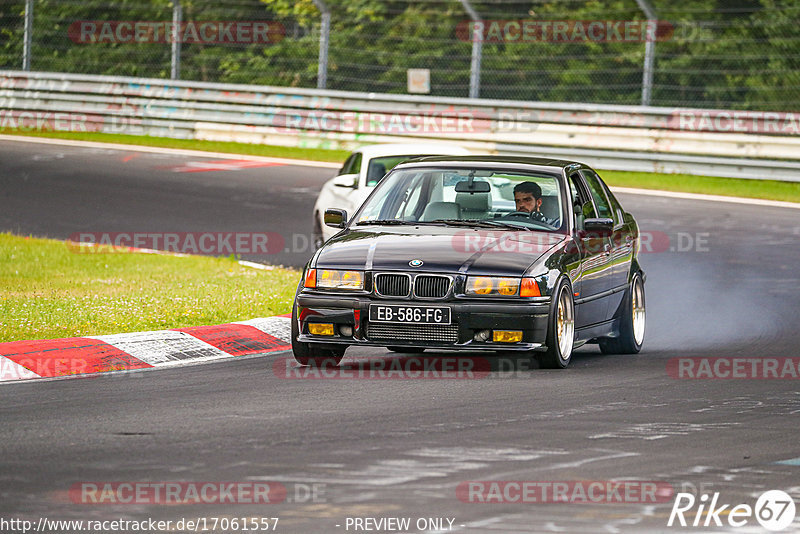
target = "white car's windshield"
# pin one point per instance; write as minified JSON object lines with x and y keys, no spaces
{"x":466,"y":197}
{"x":378,"y":167}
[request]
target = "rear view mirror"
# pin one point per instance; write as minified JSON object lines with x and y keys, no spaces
{"x":476,"y":186}
{"x":335,"y":218}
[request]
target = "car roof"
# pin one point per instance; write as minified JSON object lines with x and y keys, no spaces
{"x":489,"y":160}
{"x":408,"y":149}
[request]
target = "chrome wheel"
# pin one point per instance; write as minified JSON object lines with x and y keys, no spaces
{"x":638,"y":311}
{"x":565,"y":326}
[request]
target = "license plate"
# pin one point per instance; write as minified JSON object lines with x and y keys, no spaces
{"x":381,"y":313}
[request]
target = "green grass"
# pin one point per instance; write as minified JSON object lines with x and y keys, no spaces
{"x":251,"y":149}
{"x":765,"y":189}
{"x":709,"y":185}
{"x":50,"y":291}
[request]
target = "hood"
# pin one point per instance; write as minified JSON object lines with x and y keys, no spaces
{"x":441,"y":249}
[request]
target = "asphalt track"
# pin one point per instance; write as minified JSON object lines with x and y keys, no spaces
{"x":401,"y":447}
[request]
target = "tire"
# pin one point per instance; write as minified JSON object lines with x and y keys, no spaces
{"x":317,"y":238}
{"x":560,"y":329}
{"x":406,"y":350}
{"x":308,"y":354}
{"x":631,"y":330}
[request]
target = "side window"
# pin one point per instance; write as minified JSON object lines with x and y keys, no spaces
{"x":352,"y":165}
{"x":615,"y":205}
{"x":598,"y":194}
{"x":580,"y":197}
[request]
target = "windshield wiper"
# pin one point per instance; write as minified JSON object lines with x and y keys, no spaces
{"x":384,"y":221}
{"x":481,"y":223}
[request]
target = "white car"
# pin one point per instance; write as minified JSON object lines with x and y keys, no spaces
{"x":361,"y":172}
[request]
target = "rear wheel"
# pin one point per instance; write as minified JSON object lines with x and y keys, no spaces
{"x":309,"y":354}
{"x":631,"y":330}
{"x":560,"y":329}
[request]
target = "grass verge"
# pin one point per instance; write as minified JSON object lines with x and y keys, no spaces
{"x":51,"y":292}
{"x":709,"y":185}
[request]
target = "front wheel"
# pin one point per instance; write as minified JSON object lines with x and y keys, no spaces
{"x":631,"y":330}
{"x":316,"y":236}
{"x":560,"y":329}
{"x":308,"y":354}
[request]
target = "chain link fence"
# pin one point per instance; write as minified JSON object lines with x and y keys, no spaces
{"x":726,"y":54}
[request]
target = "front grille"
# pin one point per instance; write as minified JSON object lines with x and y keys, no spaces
{"x":443,"y":333}
{"x":431,"y":286}
{"x":393,"y":285}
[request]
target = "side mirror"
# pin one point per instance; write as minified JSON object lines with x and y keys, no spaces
{"x":599,"y":227}
{"x":335,"y":218}
{"x":346,"y":180}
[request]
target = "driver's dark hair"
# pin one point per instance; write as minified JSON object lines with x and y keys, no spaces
{"x":529,"y":187}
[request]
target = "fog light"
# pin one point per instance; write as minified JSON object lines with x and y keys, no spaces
{"x":320,"y":329}
{"x":346,"y":331}
{"x":507,"y":336}
{"x":482,"y":335}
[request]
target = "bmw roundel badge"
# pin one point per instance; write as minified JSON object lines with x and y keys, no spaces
{"x":415,"y":263}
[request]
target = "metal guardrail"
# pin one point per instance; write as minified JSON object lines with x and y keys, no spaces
{"x":761,"y":146}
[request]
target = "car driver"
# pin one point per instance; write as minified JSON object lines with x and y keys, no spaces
{"x":528,"y":198}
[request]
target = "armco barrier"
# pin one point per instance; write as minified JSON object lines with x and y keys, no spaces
{"x":718,"y":143}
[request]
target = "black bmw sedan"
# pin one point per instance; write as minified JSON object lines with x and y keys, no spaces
{"x":476,"y":253}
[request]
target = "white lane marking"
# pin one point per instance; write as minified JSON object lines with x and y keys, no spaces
{"x":707,"y":198}
{"x":279,"y":327}
{"x":11,"y":370}
{"x":653,"y":431}
{"x":163,"y":347}
{"x":175,"y":151}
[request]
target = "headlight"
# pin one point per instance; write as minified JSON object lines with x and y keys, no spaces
{"x":492,"y":285}
{"x":502,"y":286}
{"x":334,"y":279}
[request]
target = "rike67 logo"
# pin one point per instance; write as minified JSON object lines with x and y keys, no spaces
{"x":774,"y":510}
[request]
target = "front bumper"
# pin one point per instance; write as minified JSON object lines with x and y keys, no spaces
{"x":468,"y":316}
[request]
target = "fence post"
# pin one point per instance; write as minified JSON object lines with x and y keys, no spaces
{"x":477,"y":50}
{"x":649,"y":51}
{"x":177,"y":18}
{"x":28,"y":37}
{"x":325,"y":30}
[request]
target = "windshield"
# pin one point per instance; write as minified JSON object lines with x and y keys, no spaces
{"x":466,"y":197}
{"x":378,"y":167}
